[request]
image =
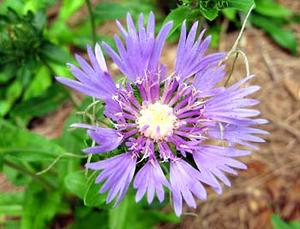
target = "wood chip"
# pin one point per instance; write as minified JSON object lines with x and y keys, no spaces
{"x":292,"y":84}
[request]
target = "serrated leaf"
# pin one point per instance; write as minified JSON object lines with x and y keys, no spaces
{"x":281,"y":36}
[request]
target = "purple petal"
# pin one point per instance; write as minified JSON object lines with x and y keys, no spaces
{"x":185,"y":181}
{"x":213,"y":159}
{"x":150,"y":178}
{"x":118,"y":172}
{"x":108,"y":139}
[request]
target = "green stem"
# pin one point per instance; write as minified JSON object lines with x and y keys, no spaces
{"x":39,"y":179}
{"x":92,"y":20}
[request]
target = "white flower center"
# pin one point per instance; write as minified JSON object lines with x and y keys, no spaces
{"x":156,"y":120}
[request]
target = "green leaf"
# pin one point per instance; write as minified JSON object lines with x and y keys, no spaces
{"x":124,"y":216}
{"x":26,"y":145}
{"x":272,"y":9}
{"x":92,"y":197}
{"x":40,"y":20}
{"x":243,"y":5}
{"x":132,"y":215}
{"x":41,"y":81}
{"x":73,"y":139}
{"x":214,"y":31}
{"x":69,"y":7}
{"x":61,"y":70}
{"x":177,"y":16}
{"x":150,"y":218}
{"x":39,"y":207}
{"x":294,"y":224}
{"x":11,"y":198}
{"x":76,"y":183}
{"x":296,"y":18}
{"x":14,"y":91}
{"x":5,"y":105}
{"x":61,"y":33}
{"x":55,"y":53}
{"x":35,"y":5}
{"x":11,"y":210}
{"x":230,"y":13}
{"x":50,"y":100}
{"x":11,"y":203}
{"x":11,"y":224}
{"x":17,"y":5}
{"x":282,"y":37}
{"x":7,"y":73}
{"x":278,"y":223}
{"x":1,"y":162}
{"x":109,"y":11}
{"x":209,"y":14}
{"x":87,"y":218}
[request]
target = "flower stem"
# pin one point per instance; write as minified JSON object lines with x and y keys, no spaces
{"x":235,"y":50}
{"x":47,"y":185}
{"x":92,"y":20}
{"x":237,"y":41}
{"x":231,"y":70}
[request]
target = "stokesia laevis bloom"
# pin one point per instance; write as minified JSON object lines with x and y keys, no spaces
{"x":165,"y":119}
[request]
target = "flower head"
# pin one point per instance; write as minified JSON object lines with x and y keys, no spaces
{"x":162,"y":119}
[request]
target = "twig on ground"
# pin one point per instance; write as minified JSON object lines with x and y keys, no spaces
{"x":269,"y":64}
{"x":283,"y":125}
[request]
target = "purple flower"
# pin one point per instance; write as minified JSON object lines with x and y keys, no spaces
{"x":161,"y":120}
